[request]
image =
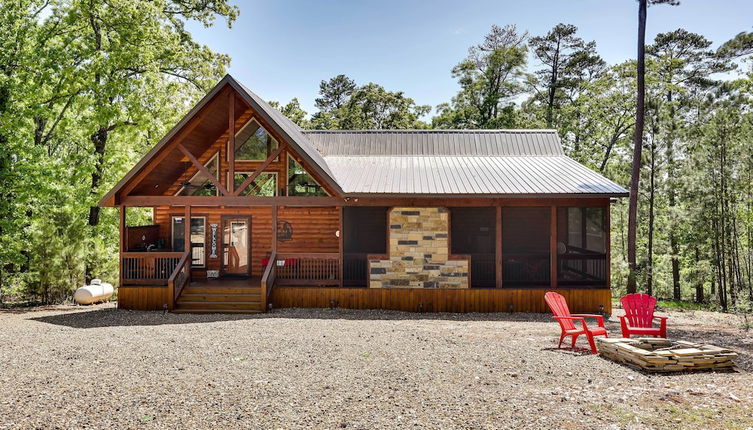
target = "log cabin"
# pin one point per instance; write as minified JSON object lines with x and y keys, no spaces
{"x":250,"y":212}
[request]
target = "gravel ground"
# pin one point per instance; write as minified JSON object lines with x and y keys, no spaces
{"x":99,"y":367}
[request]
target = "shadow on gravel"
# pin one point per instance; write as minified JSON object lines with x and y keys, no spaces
{"x":112,"y":317}
{"x":123,"y":318}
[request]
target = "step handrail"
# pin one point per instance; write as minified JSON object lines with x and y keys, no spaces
{"x":268,"y":280}
{"x":180,"y":277}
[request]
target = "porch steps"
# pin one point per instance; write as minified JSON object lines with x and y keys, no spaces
{"x":220,"y":297}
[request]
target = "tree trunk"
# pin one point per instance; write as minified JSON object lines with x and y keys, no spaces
{"x":699,"y":279}
{"x":673,"y":245}
{"x":651,"y":201}
{"x":99,"y":139}
{"x":637,"y":147}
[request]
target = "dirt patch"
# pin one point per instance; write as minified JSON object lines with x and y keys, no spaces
{"x":99,"y":367}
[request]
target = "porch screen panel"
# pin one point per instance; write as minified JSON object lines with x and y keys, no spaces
{"x":364,"y":232}
{"x":525,"y":246}
{"x":582,"y":246}
{"x":473,"y":232}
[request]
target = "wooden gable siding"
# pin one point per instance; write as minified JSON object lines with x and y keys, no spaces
{"x":313,"y":230}
{"x":279,"y":166}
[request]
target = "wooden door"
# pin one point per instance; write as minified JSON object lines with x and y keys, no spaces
{"x":236,"y":246}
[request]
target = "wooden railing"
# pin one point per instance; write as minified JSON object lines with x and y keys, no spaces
{"x":148,"y":268}
{"x":582,"y":269}
{"x":484,"y":269}
{"x":525,"y":269}
{"x":355,"y":269}
{"x":310,"y":269}
{"x":180,"y":277}
{"x":268,"y":281}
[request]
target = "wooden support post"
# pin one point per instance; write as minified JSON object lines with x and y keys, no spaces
{"x":340,"y":246}
{"x":187,"y":230}
{"x":274,"y":229}
{"x":498,"y":247}
{"x":553,"y":248}
{"x":123,"y":243}
{"x":231,"y":143}
{"x":608,"y":238}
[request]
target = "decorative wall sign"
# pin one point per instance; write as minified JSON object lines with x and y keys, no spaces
{"x":284,"y":231}
{"x":213,"y":239}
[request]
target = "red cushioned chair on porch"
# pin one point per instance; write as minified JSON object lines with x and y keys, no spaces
{"x":639,"y":317}
{"x":558,"y":305}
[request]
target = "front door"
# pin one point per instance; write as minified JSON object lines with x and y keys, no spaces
{"x":236,"y":246}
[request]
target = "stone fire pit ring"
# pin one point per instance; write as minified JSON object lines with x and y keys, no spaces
{"x":666,"y":355}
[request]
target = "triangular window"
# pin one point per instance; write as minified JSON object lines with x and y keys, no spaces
{"x":253,"y":143}
{"x":264,"y":185}
{"x":300,"y":182}
{"x":199,"y":185}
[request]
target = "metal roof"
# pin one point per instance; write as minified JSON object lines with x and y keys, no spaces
{"x":436,"y":142}
{"x":456,"y":162}
{"x":421,"y":162}
{"x":469,"y":175}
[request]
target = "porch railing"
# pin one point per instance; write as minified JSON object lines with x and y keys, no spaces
{"x":148,"y":268}
{"x":582,"y":269}
{"x":525,"y":269}
{"x":180,"y":277}
{"x":308,"y":269}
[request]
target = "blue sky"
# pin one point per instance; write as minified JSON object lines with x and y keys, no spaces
{"x":282,"y":49}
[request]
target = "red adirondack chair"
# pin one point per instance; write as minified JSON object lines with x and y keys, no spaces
{"x":639,"y":316}
{"x":558,"y":305}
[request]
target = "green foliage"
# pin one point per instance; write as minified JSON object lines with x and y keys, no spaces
{"x":345,"y":106}
{"x":490,"y":77}
{"x":85,"y":89}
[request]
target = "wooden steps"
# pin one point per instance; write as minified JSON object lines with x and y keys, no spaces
{"x":220,"y":296}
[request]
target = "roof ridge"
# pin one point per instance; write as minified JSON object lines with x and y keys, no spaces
{"x":433,"y":131}
{"x":447,"y":155}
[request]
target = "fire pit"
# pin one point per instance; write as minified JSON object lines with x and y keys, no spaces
{"x":665,"y":355}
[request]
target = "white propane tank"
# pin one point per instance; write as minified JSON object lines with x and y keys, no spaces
{"x":98,"y":291}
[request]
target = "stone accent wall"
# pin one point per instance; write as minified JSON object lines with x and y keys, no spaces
{"x":419,"y":252}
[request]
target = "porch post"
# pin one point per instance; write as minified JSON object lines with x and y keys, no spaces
{"x":123,"y":243}
{"x":187,"y":230}
{"x":231,"y":143}
{"x":553,"y":248}
{"x":340,"y":246}
{"x":498,"y":247}
{"x":608,"y":233}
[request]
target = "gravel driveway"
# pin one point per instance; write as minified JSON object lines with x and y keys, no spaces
{"x":99,"y":367}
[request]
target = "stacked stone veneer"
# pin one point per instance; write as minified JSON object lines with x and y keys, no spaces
{"x":418,"y":253}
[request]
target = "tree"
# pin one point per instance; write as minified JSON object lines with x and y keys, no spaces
{"x":565,"y":57}
{"x":293,"y":111}
{"x":489,"y":78}
{"x":638,"y":138}
{"x":347,"y":106}
{"x":334,"y":93}
{"x":683,"y":63}
{"x":88,"y":86}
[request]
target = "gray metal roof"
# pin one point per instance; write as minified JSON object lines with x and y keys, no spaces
{"x":456,"y":162}
{"x":436,"y":142}
{"x":468,"y":175}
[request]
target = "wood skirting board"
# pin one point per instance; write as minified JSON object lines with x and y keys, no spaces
{"x":440,"y":300}
{"x":582,"y":300}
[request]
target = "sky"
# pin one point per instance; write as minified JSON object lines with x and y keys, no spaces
{"x":282,"y":49}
